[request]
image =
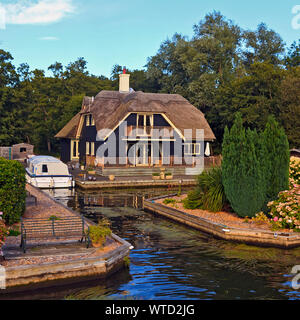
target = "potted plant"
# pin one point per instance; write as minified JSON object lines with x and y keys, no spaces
{"x":91,"y":170}
{"x":111,"y":177}
{"x":155,"y":176}
{"x":169,"y":175}
{"x":98,"y":233}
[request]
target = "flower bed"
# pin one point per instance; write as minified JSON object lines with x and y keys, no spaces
{"x":3,"y":232}
{"x":285,"y":211}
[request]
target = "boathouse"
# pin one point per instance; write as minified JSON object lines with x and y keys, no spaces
{"x":135,"y":129}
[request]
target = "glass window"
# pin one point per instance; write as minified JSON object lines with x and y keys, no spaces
{"x":44,"y":168}
{"x":187,"y":148}
{"x":197,"y":148}
{"x":87,"y":148}
{"x":87,"y":120}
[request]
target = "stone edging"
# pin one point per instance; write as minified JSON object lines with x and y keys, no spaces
{"x":250,"y":236}
{"x":133,"y":183}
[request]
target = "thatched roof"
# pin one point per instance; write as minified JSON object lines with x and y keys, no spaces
{"x":110,"y":107}
{"x":70,"y":129}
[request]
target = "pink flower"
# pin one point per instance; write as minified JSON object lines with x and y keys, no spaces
{"x":275,"y":219}
{"x":1,"y":213}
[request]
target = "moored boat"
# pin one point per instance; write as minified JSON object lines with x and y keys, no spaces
{"x":48,"y":173}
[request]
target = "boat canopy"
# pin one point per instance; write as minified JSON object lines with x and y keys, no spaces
{"x":47,"y":166}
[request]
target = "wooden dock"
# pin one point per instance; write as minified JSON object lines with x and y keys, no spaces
{"x":134,"y":183}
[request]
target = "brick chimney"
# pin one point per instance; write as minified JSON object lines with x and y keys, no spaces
{"x":124,"y":82}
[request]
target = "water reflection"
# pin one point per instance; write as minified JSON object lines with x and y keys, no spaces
{"x":170,"y":261}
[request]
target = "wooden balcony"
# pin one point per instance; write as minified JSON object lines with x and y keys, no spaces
{"x":153,"y":132}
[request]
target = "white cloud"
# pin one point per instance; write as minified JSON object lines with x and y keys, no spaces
{"x":37,"y":12}
{"x":49,"y":38}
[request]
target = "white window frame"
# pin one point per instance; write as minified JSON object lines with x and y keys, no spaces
{"x":144,"y":115}
{"x":87,"y":120}
{"x":92,"y":148}
{"x":192,"y":148}
{"x":87,"y":148}
{"x":77,"y":149}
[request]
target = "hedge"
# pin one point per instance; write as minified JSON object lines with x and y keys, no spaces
{"x":12,"y":190}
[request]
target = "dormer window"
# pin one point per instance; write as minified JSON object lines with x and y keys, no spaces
{"x":144,"y":122}
{"x":89,"y":120}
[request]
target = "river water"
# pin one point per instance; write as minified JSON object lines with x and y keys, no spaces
{"x":171,"y":261}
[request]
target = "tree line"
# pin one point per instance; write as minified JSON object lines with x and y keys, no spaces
{"x":222,"y":69}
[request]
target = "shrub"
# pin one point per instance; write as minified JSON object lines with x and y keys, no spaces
{"x":12,"y":190}
{"x":212,"y":190}
{"x":155,"y":174}
{"x":98,"y":233}
{"x":243,"y":169}
{"x":285,"y":211}
{"x":277,"y":158}
{"x":3,"y":232}
{"x":193,"y":200}
{"x":168,"y":201}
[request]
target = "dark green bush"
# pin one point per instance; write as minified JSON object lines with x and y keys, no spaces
{"x":243,"y":169}
{"x":277,"y":157}
{"x":193,"y":200}
{"x":12,"y":190}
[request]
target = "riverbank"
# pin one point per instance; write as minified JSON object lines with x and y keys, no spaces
{"x":224,"y":226}
{"x":52,"y":262}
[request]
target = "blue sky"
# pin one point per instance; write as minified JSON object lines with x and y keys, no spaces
{"x":110,"y":32}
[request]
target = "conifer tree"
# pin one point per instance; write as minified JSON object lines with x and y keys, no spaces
{"x":242,"y":169}
{"x":277,"y":158}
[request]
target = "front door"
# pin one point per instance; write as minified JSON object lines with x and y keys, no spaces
{"x":143,"y":154}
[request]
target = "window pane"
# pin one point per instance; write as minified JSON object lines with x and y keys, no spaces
{"x":197,"y":148}
{"x":45,"y":168}
{"x":187,"y":148}
{"x":140,"y":120}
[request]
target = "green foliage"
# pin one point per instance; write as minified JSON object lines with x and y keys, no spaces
{"x":126,"y":262}
{"x":14,"y":233}
{"x":12,"y":190}
{"x":98,"y":233}
{"x":3,"y":232}
{"x":155,"y":174}
{"x":243,"y":170}
{"x":277,"y":159}
{"x":54,"y":218}
{"x":193,"y":200}
{"x":169,"y":201}
{"x":209,"y":194}
{"x":211,"y":186}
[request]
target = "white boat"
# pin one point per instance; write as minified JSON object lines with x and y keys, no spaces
{"x":48,"y":173}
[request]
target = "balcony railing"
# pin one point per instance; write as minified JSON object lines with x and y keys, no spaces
{"x":153,"y":132}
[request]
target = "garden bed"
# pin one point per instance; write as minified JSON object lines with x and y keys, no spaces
{"x":223,"y":225}
{"x":223,"y":217}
